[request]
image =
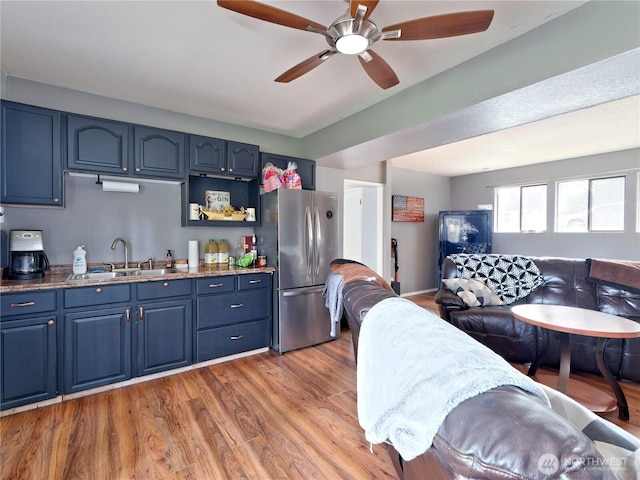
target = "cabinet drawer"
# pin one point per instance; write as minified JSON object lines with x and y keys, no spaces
{"x":98,"y":295}
{"x":163,"y":289}
{"x":28,"y":303}
{"x":223,"y":341}
{"x":217,"y":310}
{"x":251,"y":281}
{"x":215,"y":285}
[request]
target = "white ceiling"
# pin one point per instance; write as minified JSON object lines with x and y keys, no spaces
{"x":199,"y":59}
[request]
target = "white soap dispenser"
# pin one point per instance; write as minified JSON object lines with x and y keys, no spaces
{"x":79,"y":260}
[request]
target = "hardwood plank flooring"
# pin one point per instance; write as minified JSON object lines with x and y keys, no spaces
{"x":267,"y":416}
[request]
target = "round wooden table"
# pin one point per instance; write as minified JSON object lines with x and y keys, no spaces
{"x":579,"y":321}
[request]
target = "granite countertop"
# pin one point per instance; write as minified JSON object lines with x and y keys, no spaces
{"x":58,"y":276}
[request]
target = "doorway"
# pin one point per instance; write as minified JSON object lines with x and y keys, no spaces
{"x":362,"y":223}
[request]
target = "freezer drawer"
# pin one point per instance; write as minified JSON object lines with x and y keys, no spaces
{"x":303,"y":319}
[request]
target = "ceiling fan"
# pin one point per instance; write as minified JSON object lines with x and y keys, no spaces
{"x":353,"y":33}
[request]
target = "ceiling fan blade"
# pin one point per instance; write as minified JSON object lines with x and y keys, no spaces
{"x":442,"y":26}
{"x":379,"y":70}
{"x":269,"y":14}
{"x":304,"y":67}
{"x":370,"y":4}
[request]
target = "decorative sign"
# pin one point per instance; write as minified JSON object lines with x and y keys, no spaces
{"x":407,"y":209}
{"x":214,"y":200}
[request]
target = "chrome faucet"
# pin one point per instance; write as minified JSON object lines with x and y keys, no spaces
{"x":126,"y":250}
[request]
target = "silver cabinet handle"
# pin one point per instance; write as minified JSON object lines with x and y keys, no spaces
{"x":237,"y":305}
{"x":237,"y":337}
{"x":255,"y":281}
{"x":25,"y":304}
{"x":128,"y":317}
{"x":215,"y":285}
{"x":141,"y":314}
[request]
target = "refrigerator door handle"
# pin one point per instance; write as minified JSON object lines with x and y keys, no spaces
{"x":310,"y":242}
{"x":318,"y":237}
{"x":303,"y":291}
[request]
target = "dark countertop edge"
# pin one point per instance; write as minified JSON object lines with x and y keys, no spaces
{"x":55,"y":281}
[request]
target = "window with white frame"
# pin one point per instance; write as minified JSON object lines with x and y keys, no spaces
{"x":521,"y":208}
{"x":590,"y":205}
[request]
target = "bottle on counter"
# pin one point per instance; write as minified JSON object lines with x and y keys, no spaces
{"x":211,"y":253}
{"x":254,"y":249}
{"x":80,"y":260}
{"x":168,"y":261}
{"x":223,"y":252}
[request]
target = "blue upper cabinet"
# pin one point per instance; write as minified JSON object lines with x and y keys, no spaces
{"x":207,"y":155}
{"x":243,"y":160}
{"x":223,"y":158}
{"x":159,"y":153}
{"x":97,"y":146}
{"x":31,"y":156}
{"x":305,"y":168}
{"x":108,"y":147}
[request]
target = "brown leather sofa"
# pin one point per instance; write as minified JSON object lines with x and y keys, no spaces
{"x":566,"y":282}
{"x":500,"y":434}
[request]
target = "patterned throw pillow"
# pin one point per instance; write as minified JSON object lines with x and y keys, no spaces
{"x":473,"y":293}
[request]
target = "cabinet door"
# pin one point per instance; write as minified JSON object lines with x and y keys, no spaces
{"x":97,"y":348}
{"x":159,"y":153}
{"x":97,"y":146}
{"x":207,"y":155}
{"x":305,"y":168}
{"x":28,"y":361}
{"x":164,"y":336}
{"x":243,"y":160}
{"x":31,"y":156}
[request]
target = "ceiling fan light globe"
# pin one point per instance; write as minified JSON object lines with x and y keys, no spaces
{"x":353,"y":44}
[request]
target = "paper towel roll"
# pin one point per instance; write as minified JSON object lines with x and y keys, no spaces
{"x":194,"y":254}
{"x":109,"y":186}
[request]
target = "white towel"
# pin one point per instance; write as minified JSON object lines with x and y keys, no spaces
{"x":333,"y":299}
{"x":414,"y":368}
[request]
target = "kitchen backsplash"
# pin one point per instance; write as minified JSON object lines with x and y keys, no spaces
{"x":149,"y":221}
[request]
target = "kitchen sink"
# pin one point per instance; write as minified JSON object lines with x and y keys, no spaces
{"x":157,"y":271}
{"x":94,"y":276}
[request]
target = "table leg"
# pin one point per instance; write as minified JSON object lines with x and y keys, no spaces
{"x":621,"y":400}
{"x":565,"y":363}
{"x":544,"y":350}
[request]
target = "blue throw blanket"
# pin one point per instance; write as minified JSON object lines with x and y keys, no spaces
{"x":414,"y":368}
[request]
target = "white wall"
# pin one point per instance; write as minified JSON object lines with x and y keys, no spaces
{"x":418,"y":242}
{"x":467,"y":192}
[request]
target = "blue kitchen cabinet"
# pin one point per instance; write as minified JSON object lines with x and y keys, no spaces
{"x":97,"y":336}
{"x":28,"y":348}
{"x":164,"y":328}
{"x":97,"y":146}
{"x":223,"y":158}
{"x":159,"y":153}
{"x":233,"y":315}
{"x":31,"y":163}
{"x":305,"y":168}
{"x":97,"y":348}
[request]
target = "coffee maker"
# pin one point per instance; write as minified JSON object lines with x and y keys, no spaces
{"x":27,"y":259}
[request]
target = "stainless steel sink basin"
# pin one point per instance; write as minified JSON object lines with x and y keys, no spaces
{"x":95,"y":276}
{"x":157,"y":271}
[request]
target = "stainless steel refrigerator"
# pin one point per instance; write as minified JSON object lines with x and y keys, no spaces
{"x":300,"y":235}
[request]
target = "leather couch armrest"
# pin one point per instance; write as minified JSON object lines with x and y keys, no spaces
{"x":447,"y":302}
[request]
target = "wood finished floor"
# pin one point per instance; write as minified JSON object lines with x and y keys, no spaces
{"x":261,"y":417}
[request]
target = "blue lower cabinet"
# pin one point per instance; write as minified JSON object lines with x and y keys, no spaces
{"x":235,"y":320}
{"x":237,"y":338}
{"x":97,"y":348}
{"x":164,"y":336}
{"x":28,"y":355}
